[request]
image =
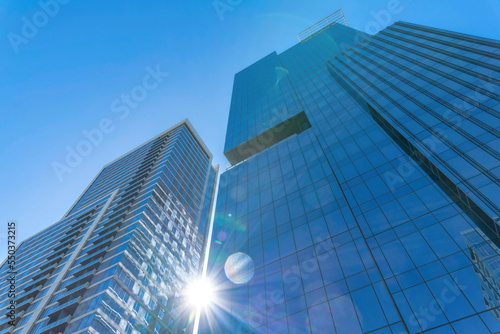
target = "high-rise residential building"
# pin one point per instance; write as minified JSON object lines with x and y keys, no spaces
{"x":119,"y":258}
{"x":364,"y":192}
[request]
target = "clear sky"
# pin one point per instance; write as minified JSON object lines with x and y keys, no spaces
{"x":63,"y":74}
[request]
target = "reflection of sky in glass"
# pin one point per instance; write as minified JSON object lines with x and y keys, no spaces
{"x":239,"y":268}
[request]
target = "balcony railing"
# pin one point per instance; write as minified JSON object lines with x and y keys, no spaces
{"x":106,"y":242}
{"x":29,"y":293}
{"x":337,"y":17}
{"x":63,"y":296}
{"x":87,"y":266}
{"x":24,"y":305}
{"x":59,"y":324}
{"x":75,"y":300}
{"x":73,"y":282}
{"x":29,"y":286}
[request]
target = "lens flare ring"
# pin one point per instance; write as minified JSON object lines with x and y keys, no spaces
{"x":239,"y":268}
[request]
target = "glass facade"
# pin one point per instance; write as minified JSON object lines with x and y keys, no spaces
{"x":378,"y":214}
{"x":118,"y":260}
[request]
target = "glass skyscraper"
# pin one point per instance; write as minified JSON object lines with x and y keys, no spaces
{"x":364,"y":192}
{"x":119,"y":258}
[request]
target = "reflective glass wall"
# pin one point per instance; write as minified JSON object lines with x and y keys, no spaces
{"x":378,"y":212}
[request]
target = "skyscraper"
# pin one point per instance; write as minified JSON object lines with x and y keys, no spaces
{"x":364,"y":168}
{"x":119,"y":258}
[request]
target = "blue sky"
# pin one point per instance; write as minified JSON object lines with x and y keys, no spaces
{"x":68,"y":76}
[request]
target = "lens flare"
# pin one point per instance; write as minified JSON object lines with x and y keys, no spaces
{"x":221,"y":236}
{"x":239,"y":268}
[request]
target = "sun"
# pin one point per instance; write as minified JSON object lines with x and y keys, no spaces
{"x":200,"y":293}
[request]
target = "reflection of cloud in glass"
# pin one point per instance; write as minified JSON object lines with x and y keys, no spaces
{"x":239,"y":268}
{"x":238,"y":193}
{"x":280,"y":74}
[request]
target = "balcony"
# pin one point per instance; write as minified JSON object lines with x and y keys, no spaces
{"x":118,"y":213}
{"x":57,"y":326}
{"x":29,"y":293}
{"x":113,"y":221}
{"x":85,"y":216}
{"x":97,"y":247}
{"x":76,"y":228}
{"x":44,"y":272}
{"x":69,"y":237}
{"x":59,"y":254}
{"x":63,"y":246}
{"x":77,"y":290}
{"x":68,"y":306}
{"x":93,"y":257}
{"x":24,"y":305}
{"x":89,"y":265}
{"x":105,"y":230}
{"x":74,"y":282}
{"x":37,"y":282}
{"x":104,"y":237}
{"x":50,"y":263}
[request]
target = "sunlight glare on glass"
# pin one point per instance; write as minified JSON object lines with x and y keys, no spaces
{"x":200,"y":293}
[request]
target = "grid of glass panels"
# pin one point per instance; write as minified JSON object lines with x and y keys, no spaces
{"x":346,"y":231}
{"x":262,"y":97}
